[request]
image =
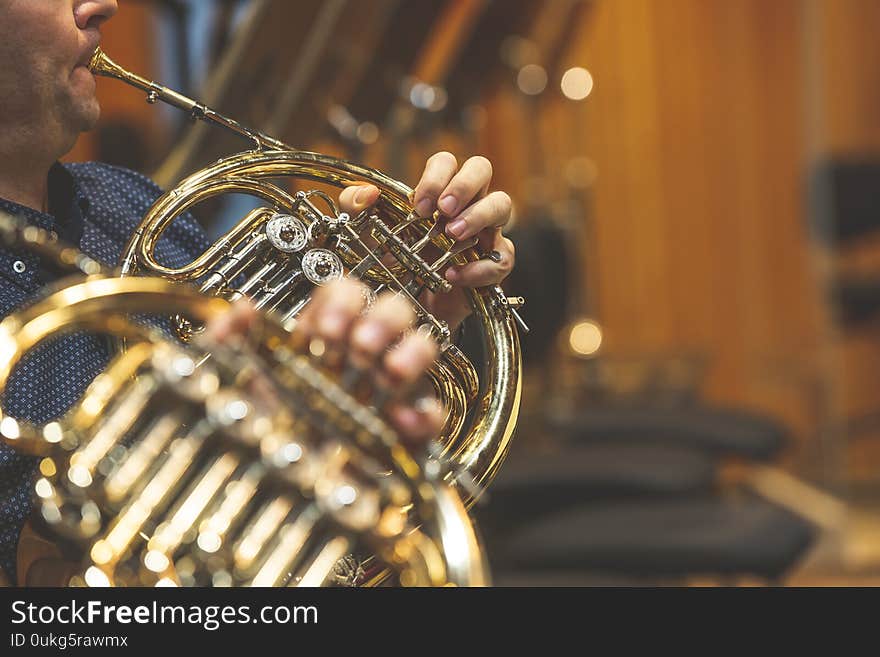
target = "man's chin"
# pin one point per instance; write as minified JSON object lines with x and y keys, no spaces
{"x":74,"y":122}
{"x":86,"y":115}
{"x":83,"y":97}
{"x":91,"y":119}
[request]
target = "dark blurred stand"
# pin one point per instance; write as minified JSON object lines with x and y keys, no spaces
{"x":844,"y":202}
{"x":845,"y":197}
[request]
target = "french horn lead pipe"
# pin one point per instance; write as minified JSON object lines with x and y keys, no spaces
{"x":101,"y":64}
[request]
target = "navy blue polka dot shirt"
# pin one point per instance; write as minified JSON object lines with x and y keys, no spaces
{"x":95,"y":207}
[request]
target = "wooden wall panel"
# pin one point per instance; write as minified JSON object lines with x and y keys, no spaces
{"x":847,"y":74}
{"x":705,"y":120}
{"x":696,"y":126}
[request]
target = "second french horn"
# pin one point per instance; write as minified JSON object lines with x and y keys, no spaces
{"x":173,"y":471}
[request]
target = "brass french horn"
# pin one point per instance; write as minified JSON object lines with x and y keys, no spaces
{"x":171,"y":470}
{"x":278,"y":253}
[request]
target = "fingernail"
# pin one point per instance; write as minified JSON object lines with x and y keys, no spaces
{"x":332,"y":324}
{"x":423,"y":209}
{"x":427,"y":404}
{"x":457,"y":228}
{"x":448,"y":205}
{"x":452,"y":275}
{"x":361,"y":197}
{"x":368,"y":336}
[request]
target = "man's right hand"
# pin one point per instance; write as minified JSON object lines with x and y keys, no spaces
{"x":374,"y":341}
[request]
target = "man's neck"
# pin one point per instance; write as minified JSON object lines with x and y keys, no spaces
{"x":29,"y":188}
{"x":26,"y":156}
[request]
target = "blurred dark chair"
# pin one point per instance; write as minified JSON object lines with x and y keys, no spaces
{"x":717,"y":431}
{"x":529,"y":485}
{"x":644,"y":511}
{"x":711,"y":536}
{"x":633,"y":492}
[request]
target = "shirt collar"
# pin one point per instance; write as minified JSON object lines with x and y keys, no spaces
{"x":68,"y":206}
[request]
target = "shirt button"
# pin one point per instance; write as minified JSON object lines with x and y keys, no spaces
{"x":18,"y":266}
